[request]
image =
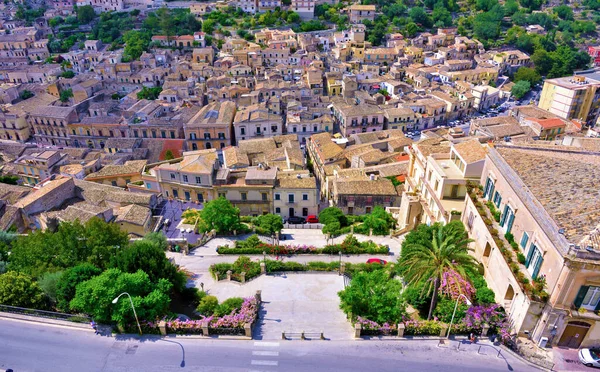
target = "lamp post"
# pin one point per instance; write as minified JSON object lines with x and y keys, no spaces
{"x":340,"y":263}
{"x":454,"y":313}
{"x":133,"y":307}
{"x":265,"y":257}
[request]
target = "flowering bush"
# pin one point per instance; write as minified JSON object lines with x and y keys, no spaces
{"x":422,"y":327}
{"x":237,"y":319}
{"x":453,"y":285}
{"x":350,"y":246}
{"x":369,"y":325}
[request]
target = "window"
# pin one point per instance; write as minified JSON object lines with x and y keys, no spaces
{"x":185,"y":178}
{"x":172,"y":176}
{"x":206,"y":135}
{"x":114,"y":183}
{"x":534,"y":260}
{"x":290,"y":198}
{"x":244,"y":196}
{"x":304,"y":196}
{"x":200,"y":197}
{"x":524,"y":240}
{"x":187,"y":195}
{"x":264,"y":196}
{"x":198,"y":180}
{"x":588,"y":297}
{"x":277,"y":196}
{"x":507,"y":219}
{"x":497,"y":199}
{"x":221,"y":195}
{"x":127,"y":180}
{"x":277,"y":210}
{"x":148,"y":185}
{"x":488,"y":191}
{"x":175,"y":193}
{"x":304,"y":212}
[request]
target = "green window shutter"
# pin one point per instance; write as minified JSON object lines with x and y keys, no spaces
{"x":503,"y":218}
{"x":538,"y":264}
{"x":511,"y":219}
{"x":532,"y":249}
{"x":524,"y":240}
{"x":580,"y":295}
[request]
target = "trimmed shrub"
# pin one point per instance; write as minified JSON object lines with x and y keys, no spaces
{"x":208,"y":305}
{"x":521,"y":258}
{"x":228,"y":306}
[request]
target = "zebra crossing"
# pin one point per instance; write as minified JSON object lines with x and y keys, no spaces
{"x":264,"y":355}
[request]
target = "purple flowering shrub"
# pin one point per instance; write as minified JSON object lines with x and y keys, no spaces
{"x":453,"y":285}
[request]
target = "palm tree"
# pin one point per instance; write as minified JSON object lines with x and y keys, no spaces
{"x":427,"y":262}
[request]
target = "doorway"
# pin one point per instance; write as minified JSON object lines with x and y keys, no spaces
{"x":574,"y":334}
{"x":291,"y":212}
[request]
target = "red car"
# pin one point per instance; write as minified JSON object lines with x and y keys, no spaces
{"x":312,"y":219}
{"x":376,"y":261}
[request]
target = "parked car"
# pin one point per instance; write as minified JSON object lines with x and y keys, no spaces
{"x":589,"y":357}
{"x":296,"y":220}
{"x":376,"y":261}
{"x":312,"y":219}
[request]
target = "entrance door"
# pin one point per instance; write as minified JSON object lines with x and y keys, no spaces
{"x":291,"y":212}
{"x":574,"y":334}
{"x":454,"y":192}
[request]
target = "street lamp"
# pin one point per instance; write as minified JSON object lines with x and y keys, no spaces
{"x":340,"y":263}
{"x":454,"y":313}
{"x":133,"y":307}
{"x":265,"y":257}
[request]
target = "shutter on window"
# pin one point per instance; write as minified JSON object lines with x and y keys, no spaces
{"x":580,"y":295}
{"x":503,"y":217}
{"x":524,"y":240}
{"x":511,"y":219}
{"x":529,"y":254}
{"x":536,"y":270}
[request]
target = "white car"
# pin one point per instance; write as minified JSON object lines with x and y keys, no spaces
{"x":589,"y":357}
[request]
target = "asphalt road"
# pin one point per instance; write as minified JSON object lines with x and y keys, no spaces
{"x":28,"y":347}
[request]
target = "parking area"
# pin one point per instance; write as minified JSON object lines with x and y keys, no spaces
{"x":294,"y":303}
{"x":567,"y":360}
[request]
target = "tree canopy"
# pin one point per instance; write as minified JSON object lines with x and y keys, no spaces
{"x":18,"y":289}
{"x":221,"y":215}
{"x":270,"y":222}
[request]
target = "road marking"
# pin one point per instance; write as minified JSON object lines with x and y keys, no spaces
{"x":265,"y":353}
{"x":264,"y":362}
{"x":266,"y":344}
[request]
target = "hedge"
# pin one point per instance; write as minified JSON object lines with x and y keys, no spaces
{"x":219,"y":271}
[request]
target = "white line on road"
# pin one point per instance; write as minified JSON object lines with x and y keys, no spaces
{"x":264,"y":362}
{"x":265,"y":353}
{"x":266,"y":344}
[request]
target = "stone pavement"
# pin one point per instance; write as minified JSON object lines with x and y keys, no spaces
{"x":567,"y":360}
{"x":294,"y":303}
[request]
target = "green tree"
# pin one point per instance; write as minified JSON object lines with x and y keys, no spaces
{"x":379,"y":220}
{"x":209,"y":26}
{"x":147,"y":256}
{"x":65,"y":95}
{"x":373,"y":295}
{"x":520,"y":89}
{"x":149,"y":93}
{"x":169,"y":155}
{"x":167,"y":25}
{"x":157,"y":238}
{"x":333,"y":214}
{"x":103,"y":240}
{"x":67,"y":74}
{"x":85,"y":14}
{"x":411,"y":29}
{"x":564,"y":12}
{"x":136,"y":43}
{"x":26,"y":94}
{"x":66,"y":285}
{"x":293,"y":17}
{"x":419,"y":16}
{"x":221,"y":215}
{"x":94,"y":297}
{"x":48,"y":283}
{"x":20,"y":290}
{"x":270,"y":222}
{"x":427,"y":261}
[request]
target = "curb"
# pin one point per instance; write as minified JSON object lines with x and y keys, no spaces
{"x":522,"y":359}
{"x":189,"y":337}
{"x":48,"y":322}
